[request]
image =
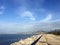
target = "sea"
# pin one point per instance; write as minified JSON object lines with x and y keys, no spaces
{"x":7,"y":39}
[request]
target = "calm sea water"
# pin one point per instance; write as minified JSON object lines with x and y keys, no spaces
{"x":7,"y":39}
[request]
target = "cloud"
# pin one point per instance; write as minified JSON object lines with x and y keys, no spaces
{"x":2,"y":8}
{"x":19,"y":27}
{"x":25,"y":8}
{"x":32,"y":18}
{"x":24,"y":13}
{"x":48,"y":26}
{"x":28,"y":14}
{"x":48,"y":18}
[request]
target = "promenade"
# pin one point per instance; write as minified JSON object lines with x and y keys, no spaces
{"x":43,"y":39}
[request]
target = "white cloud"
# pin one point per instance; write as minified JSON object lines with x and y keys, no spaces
{"x":24,"y":13}
{"x":47,"y":26}
{"x":48,"y":18}
{"x":28,"y":14}
{"x":32,"y":18}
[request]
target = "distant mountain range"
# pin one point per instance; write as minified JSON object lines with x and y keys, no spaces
{"x":56,"y":31}
{"x":33,"y":32}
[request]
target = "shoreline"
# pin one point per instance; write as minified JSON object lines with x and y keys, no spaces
{"x":46,"y":39}
{"x":27,"y":41}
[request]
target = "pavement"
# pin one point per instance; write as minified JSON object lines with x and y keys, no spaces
{"x":49,"y":39}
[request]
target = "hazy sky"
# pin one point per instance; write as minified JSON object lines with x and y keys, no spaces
{"x":29,"y":15}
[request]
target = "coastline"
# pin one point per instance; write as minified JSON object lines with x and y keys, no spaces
{"x":46,"y":39}
{"x":27,"y":41}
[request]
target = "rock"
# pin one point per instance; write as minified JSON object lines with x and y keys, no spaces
{"x":46,"y":39}
{"x":27,"y":41}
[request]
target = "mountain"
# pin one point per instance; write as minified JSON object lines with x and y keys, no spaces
{"x":33,"y":32}
{"x":56,"y":32}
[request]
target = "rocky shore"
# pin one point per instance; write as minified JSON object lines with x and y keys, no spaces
{"x":46,"y":39}
{"x":27,"y":41}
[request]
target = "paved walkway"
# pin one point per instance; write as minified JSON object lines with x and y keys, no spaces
{"x":49,"y":39}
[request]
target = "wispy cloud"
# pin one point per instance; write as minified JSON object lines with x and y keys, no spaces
{"x":24,"y":13}
{"x":2,"y":8}
{"x":48,"y":18}
{"x":18,"y":27}
{"x":48,"y":26}
{"x":28,"y":14}
{"x":28,"y":11}
{"x":24,"y":8}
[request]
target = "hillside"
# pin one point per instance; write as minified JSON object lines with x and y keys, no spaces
{"x":56,"y":32}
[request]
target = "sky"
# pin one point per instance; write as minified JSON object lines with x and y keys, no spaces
{"x":29,"y":15}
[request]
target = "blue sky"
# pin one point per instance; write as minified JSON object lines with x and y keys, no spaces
{"x":29,"y":15}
